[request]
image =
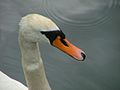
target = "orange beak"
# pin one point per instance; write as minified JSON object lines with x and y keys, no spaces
{"x":71,"y":50}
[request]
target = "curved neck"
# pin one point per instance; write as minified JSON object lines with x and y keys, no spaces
{"x":33,"y":66}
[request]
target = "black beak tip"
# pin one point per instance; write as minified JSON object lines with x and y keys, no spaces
{"x":84,"y":56}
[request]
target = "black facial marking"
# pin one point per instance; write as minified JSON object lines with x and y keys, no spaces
{"x":64,"y":42}
{"x":51,"y":35}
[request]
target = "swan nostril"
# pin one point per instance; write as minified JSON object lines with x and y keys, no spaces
{"x":83,"y":55}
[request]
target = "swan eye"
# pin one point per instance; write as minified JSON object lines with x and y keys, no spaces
{"x":52,"y":35}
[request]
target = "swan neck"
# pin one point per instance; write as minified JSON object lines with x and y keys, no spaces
{"x":33,"y":66}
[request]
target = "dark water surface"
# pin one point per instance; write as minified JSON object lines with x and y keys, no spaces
{"x":93,"y":25}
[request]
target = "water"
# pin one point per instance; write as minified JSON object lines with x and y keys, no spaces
{"x":92,"y":25}
{"x":81,"y":13}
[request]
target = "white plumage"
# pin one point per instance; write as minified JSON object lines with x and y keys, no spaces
{"x":30,"y":37}
{"x":7,"y":83}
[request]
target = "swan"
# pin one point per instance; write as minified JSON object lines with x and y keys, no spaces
{"x":35,"y":29}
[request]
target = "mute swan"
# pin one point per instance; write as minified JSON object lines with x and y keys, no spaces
{"x":35,"y":29}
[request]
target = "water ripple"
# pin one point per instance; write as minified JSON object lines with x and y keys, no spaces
{"x":80,"y":13}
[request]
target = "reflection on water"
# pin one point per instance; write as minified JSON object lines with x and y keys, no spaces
{"x":81,"y":13}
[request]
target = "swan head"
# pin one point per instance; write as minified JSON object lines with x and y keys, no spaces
{"x":37,"y":28}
